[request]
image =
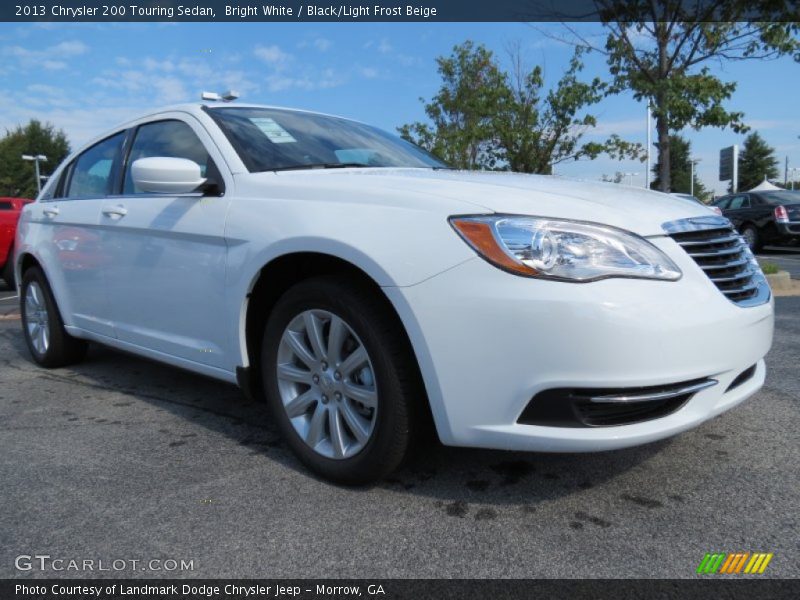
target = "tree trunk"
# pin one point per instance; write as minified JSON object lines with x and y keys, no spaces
{"x":662,"y":110}
{"x":662,"y":129}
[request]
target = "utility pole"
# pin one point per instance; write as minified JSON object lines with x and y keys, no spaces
{"x":786,"y":172}
{"x":36,"y":160}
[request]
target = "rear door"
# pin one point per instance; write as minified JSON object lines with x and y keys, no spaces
{"x":168,"y":282}
{"x":69,"y":246}
{"x":738,"y":209}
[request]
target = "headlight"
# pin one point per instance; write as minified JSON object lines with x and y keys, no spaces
{"x":563,"y":250}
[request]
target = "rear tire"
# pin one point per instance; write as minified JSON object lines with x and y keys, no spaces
{"x":334,"y":434}
{"x":48,"y":341}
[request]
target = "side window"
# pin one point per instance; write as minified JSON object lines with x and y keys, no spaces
{"x":723,"y":204}
{"x":738,"y":202}
{"x":6,"y":205}
{"x":173,"y":139}
{"x":92,"y":171}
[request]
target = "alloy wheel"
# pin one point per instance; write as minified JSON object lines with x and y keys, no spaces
{"x":37,"y":319}
{"x":327,"y":384}
{"x":749,"y":237}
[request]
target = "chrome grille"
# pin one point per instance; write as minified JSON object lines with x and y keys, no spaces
{"x":723,"y":256}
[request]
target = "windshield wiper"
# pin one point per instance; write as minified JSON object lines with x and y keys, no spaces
{"x":321,"y":166}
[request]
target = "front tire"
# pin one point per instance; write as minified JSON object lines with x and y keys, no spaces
{"x":752,"y":238}
{"x":48,"y":342}
{"x":340,"y":380}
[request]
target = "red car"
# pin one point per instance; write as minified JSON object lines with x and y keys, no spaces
{"x":10,"y":209}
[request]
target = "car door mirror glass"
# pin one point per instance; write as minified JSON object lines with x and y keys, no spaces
{"x":166,"y":175}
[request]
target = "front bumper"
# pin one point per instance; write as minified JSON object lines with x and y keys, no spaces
{"x":488,"y":342}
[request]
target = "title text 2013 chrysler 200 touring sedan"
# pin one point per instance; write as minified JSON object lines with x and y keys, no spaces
{"x":361,"y":287}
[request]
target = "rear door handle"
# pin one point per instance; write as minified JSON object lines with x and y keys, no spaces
{"x":118,"y":211}
{"x":50,"y":211}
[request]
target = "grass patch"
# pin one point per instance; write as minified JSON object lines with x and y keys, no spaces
{"x":769,"y":268}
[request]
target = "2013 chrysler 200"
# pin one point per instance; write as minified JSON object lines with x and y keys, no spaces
{"x":362,"y":287}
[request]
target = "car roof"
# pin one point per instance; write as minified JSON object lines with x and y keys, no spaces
{"x":197,"y":107}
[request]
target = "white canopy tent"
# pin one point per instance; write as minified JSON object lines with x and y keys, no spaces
{"x":764,"y":186}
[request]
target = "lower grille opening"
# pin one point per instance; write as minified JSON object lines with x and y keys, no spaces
{"x":605,"y":407}
{"x":742,"y":378}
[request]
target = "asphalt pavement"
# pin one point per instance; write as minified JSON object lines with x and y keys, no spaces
{"x":123,"y":458}
{"x":787,"y":259}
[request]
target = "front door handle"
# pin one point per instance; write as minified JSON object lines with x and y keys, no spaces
{"x":50,"y":211}
{"x":118,"y":211}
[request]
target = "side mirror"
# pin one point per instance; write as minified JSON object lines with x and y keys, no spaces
{"x":165,"y":175}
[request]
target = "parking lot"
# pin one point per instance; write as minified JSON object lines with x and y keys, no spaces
{"x":787,"y":259}
{"x":122,"y":458}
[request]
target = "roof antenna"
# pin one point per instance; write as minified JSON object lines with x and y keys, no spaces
{"x":228,"y":96}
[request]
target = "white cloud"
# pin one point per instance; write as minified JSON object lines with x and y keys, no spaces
{"x":278,"y":82}
{"x":761,"y":124}
{"x":272,"y":55}
{"x":369,"y":72}
{"x":152,"y":64}
{"x":322,"y":44}
{"x":384,"y":47}
{"x":50,"y":58}
{"x":171,"y":89}
{"x":73,"y":48}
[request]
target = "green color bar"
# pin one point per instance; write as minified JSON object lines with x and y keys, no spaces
{"x":702,"y":567}
{"x":716,"y":564}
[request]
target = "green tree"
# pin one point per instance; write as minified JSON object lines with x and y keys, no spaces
{"x":534,"y":134}
{"x":485,"y":118}
{"x":17,"y":177}
{"x":680,"y":170}
{"x":756,"y":162}
{"x":660,"y":51}
{"x":462,"y":113}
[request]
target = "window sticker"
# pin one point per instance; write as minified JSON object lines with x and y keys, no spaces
{"x":274,"y":132}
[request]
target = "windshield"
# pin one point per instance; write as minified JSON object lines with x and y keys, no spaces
{"x":272,"y":139}
{"x":785,"y":197}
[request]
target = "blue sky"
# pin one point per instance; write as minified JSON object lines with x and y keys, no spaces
{"x":87,"y":77}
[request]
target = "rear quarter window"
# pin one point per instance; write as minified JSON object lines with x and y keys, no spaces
{"x":5,"y":205}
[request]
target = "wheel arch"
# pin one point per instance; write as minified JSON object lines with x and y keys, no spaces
{"x":25,"y":261}
{"x":274,"y":279}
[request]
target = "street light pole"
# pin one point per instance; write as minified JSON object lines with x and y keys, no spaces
{"x":692,"y":162}
{"x":36,"y":160}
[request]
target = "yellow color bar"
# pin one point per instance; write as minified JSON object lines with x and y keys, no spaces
{"x":764,"y":564}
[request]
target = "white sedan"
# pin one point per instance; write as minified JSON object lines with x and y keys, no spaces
{"x":361,"y":287}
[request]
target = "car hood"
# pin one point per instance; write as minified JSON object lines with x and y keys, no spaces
{"x":635,"y":209}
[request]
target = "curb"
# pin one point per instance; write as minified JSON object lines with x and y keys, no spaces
{"x":783,"y":285}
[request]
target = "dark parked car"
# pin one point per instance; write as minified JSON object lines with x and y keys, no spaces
{"x":769,"y":217}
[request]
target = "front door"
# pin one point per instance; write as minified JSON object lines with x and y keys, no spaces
{"x":168,"y":281}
